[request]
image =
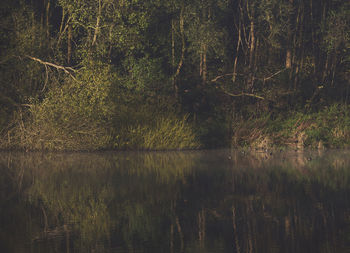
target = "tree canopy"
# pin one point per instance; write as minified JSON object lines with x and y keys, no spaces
{"x":99,"y":61}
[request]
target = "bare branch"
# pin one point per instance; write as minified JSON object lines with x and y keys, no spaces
{"x":267,"y":78}
{"x":242,"y":94}
{"x":46,"y":79}
{"x":221,"y":76}
{"x":27,"y":105}
{"x":97,"y":23}
{"x":67,"y":70}
{"x":61,"y":33}
{"x":235,"y":74}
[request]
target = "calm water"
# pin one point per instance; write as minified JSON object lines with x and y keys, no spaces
{"x":202,"y":201}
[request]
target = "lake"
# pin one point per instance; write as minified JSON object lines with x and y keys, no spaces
{"x":188,"y":201}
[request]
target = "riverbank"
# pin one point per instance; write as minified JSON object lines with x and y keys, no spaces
{"x":327,"y":128}
{"x":128,"y":132}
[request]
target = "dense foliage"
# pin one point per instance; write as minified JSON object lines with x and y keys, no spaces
{"x":97,"y":74}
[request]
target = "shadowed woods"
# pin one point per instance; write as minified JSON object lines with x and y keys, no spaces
{"x":174,"y":74}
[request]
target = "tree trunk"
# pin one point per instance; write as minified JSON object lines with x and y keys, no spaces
{"x":98,"y":19}
{"x":179,"y":66}
{"x":173,"y":57}
{"x":179,"y":230}
{"x":288,"y":63}
{"x":313,"y":37}
{"x":62,"y":21}
{"x":251,"y":45}
{"x":235,"y":233}
{"x":47,"y":19}
{"x":201,"y":227}
{"x":69,"y":44}
{"x":239,"y":41}
{"x":250,"y":81}
{"x":289,"y":59}
{"x":201,"y":61}
{"x":204,"y":74}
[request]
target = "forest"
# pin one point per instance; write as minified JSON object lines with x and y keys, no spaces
{"x":174,"y":74}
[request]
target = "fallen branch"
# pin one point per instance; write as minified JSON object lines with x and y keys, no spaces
{"x":275,"y":74}
{"x":263,"y":79}
{"x":232,"y":94}
{"x":67,"y":70}
{"x":242,"y":94}
{"x":218,"y":77}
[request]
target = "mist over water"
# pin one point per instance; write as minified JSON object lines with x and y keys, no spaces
{"x":191,"y":201}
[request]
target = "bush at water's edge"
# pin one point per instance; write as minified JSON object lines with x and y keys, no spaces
{"x":47,"y":126}
{"x":40,"y":131}
{"x":163,"y":133}
{"x":328,"y":128}
{"x":83,"y":115}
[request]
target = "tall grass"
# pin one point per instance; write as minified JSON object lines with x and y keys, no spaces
{"x":327,"y":128}
{"x":55,"y":124}
{"x":170,"y":132}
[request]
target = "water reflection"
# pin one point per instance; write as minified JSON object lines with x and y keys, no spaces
{"x":202,"y":201}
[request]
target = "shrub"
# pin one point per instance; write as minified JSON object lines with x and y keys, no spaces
{"x":165,"y":132}
{"x":329,"y":127}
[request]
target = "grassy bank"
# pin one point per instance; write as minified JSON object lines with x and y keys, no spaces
{"x":88,"y":114}
{"x":40,"y":131}
{"x":47,"y":126}
{"x":161,"y":133}
{"x":327,"y":128}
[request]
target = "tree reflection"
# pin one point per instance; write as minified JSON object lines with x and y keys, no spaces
{"x":176,"y":201}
